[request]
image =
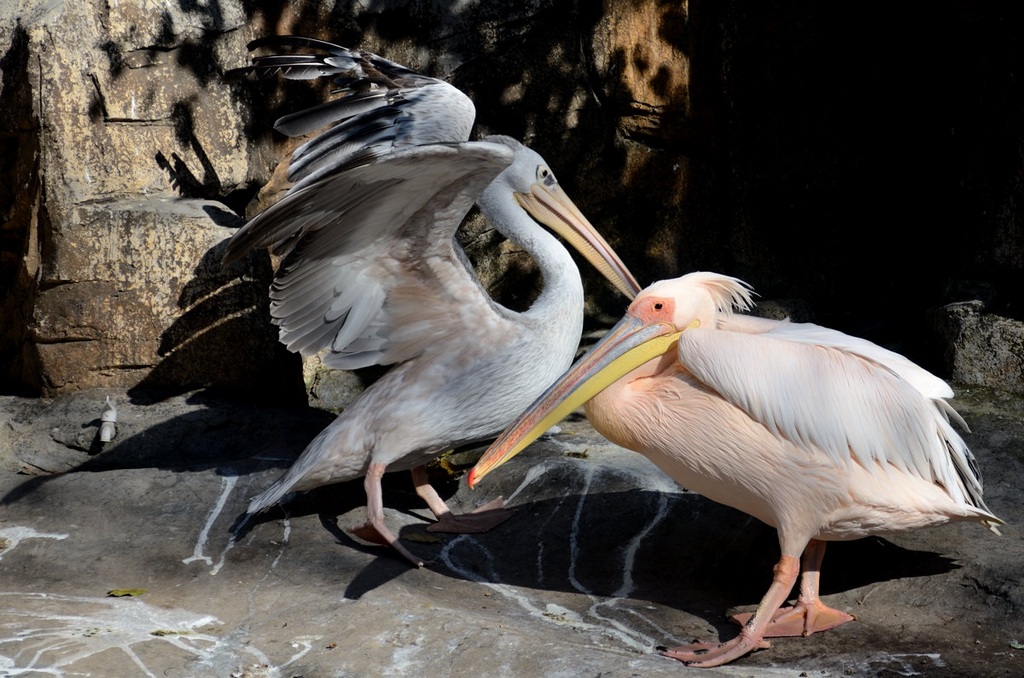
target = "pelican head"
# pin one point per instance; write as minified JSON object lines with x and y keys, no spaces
{"x":650,"y":328}
{"x":537,"y":191}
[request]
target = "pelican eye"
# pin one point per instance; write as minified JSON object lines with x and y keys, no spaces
{"x":658,"y":306}
{"x":546,"y":176}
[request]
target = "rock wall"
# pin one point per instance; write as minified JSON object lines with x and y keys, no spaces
{"x":120,"y":125}
{"x":867,"y":168}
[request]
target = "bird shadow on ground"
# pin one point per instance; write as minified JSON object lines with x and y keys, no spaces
{"x":569,"y":535}
{"x":197,"y":431}
{"x":686,"y":553}
{"x":348,"y":499}
{"x":701,"y":558}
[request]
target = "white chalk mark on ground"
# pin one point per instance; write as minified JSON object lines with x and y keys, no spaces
{"x":647,"y":478}
{"x":574,"y":533}
{"x":664,"y":489}
{"x":12,"y":536}
{"x":542,"y":529}
{"x":609,"y":626}
{"x":551,"y":613}
{"x":915,"y":664}
{"x":286,"y":532}
{"x":608,"y":615}
{"x":56,"y":634}
{"x":303,"y":644}
{"x":227,"y":484}
{"x":491,"y":581}
{"x":532,"y":474}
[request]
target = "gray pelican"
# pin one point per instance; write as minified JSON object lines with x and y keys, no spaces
{"x":370,"y":272}
{"x":819,"y":434}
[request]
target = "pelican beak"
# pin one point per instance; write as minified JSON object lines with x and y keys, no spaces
{"x":627,"y":346}
{"x":550,"y":205}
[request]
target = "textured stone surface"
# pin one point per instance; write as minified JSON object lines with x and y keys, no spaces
{"x":760,"y":140}
{"x":605,"y":560}
{"x":982,"y":349}
{"x":121,"y":119}
{"x":134,"y":286}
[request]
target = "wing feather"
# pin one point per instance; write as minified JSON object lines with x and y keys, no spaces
{"x":856,"y":402}
{"x":379,"y":106}
{"x":336,"y":110}
{"x":808,"y":333}
{"x":366,"y":232}
{"x":351,"y":240}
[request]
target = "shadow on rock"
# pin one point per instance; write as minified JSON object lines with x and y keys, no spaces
{"x":329,"y":502}
{"x":223,"y":337}
{"x":193,"y":432}
{"x":676,"y":549}
{"x":590,"y":532}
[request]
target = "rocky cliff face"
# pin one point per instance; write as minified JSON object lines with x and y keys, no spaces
{"x":118,"y":125}
{"x":765,"y":143}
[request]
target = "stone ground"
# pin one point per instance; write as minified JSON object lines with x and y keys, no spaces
{"x":605,"y":560}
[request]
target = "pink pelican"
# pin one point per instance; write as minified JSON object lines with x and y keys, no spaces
{"x":823,"y":436}
{"x":370,"y":273}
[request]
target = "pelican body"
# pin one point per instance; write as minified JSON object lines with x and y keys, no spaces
{"x":823,"y":436}
{"x":371,"y":274}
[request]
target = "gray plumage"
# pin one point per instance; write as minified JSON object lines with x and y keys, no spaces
{"x":371,"y":273}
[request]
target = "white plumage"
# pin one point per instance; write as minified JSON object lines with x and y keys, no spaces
{"x":819,"y":434}
{"x":371,"y":273}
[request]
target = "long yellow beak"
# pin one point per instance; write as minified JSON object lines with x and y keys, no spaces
{"x":627,"y":346}
{"x":550,"y":205}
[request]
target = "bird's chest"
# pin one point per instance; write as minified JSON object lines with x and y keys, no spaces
{"x":700,"y":441}
{"x":663,"y":412}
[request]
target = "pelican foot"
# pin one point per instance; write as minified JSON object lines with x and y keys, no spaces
{"x":371,"y":534}
{"x":705,"y":655}
{"x":802,"y":619}
{"x":484,"y":518}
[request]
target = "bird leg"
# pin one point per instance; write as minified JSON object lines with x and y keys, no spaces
{"x":752,"y":635}
{"x":376,"y":530}
{"x":482,"y":519}
{"x":809,"y":615}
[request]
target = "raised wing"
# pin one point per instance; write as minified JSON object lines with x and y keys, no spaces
{"x":366,"y":231}
{"x":366,"y":252}
{"x":380,"y":106}
{"x":809,"y":385}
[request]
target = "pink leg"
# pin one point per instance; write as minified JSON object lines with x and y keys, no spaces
{"x":809,"y":615}
{"x":752,"y":636}
{"x":484,"y":518}
{"x":376,"y":530}
{"x":428,"y":494}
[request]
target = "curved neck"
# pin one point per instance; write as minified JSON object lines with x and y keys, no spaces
{"x":561,"y":295}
